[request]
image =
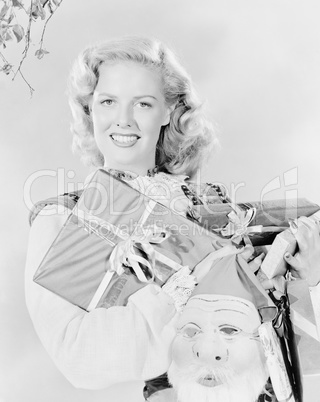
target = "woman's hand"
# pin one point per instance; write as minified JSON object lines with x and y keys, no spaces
{"x":305,"y":264}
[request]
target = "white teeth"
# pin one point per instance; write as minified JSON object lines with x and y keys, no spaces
{"x":124,"y":138}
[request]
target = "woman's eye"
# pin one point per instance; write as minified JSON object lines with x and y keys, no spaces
{"x":229,"y":331}
{"x":190,"y":332}
{"x":108,"y":102}
{"x":144,"y":105}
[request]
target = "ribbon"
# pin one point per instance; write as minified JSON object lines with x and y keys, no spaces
{"x":124,"y":250}
{"x":302,"y":313}
{"x":304,"y":324}
{"x":239,"y":220}
{"x":238,"y":227}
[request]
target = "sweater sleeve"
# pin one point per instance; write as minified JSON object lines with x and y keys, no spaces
{"x":106,"y":346}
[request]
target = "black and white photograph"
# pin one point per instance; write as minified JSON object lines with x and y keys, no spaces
{"x":160,"y":201}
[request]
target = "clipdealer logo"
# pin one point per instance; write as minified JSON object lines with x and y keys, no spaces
{"x":286,"y":183}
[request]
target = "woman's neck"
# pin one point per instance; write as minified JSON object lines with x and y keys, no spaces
{"x":136,"y":170}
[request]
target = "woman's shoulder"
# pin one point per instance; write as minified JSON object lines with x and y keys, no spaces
{"x":61,"y":204}
{"x":198,"y":192}
{"x":208,"y":193}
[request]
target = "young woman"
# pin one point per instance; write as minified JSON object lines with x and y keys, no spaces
{"x":136,"y":115}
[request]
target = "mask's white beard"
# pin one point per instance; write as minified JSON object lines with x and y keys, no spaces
{"x":244,"y":387}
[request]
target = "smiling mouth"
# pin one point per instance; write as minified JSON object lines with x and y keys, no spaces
{"x":127,"y":139}
{"x":209,"y":381}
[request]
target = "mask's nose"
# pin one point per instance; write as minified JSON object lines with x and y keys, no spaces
{"x":211,"y":351}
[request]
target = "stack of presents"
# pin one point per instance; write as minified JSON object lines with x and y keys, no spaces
{"x":117,"y":240}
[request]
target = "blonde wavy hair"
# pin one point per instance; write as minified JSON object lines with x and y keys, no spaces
{"x":183,"y":143}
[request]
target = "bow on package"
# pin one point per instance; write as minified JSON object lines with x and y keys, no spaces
{"x":238,"y":226}
{"x":125,"y":252}
{"x":135,"y":251}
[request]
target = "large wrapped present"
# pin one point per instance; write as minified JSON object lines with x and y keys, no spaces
{"x":115,"y":241}
{"x":305,"y":335}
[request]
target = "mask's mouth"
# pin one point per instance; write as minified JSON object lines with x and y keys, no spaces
{"x":210,"y":381}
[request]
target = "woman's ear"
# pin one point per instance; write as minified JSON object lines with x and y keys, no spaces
{"x":88,"y":108}
{"x":168,"y":112}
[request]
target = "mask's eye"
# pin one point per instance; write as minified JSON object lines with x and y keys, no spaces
{"x":190,"y":331}
{"x":229,"y":331}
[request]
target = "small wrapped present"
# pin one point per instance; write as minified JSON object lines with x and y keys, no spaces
{"x":306,"y":337}
{"x":268,"y":212}
{"x":260,"y":222}
{"x":274,"y":263}
{"x":117,"y":240}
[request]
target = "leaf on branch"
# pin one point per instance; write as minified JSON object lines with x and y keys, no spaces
{"x":7,"y":68}
{"x":3,"y":11}
{"x":40,"y":53}
{"x":11,"y":16}
{"x":50,"y":8}
{"x":55,"y":2}
{"x":6,"y":34}
{"x":18,"y":32}
{"x":2,"y":41}
{"x":16,"y":3}
{"x":37,"y":10}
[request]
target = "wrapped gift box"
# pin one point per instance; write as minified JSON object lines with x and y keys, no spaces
{"x":113,"y":222}
{"x":306,"y":338}
{"x":274,"y":263}
{"x":272,"y":215}
{"x":268,"y":213}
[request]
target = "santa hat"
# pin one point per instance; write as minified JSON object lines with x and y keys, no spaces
{"x":231,"y":278}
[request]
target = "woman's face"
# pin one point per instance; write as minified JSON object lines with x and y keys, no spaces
{"x":128,"y":110}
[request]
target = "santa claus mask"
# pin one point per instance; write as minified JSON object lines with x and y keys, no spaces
{"x":217,"y":355}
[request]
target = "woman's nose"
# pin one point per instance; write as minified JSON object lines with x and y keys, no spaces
{"x":124,"y":117}
{"x":210,"y":351}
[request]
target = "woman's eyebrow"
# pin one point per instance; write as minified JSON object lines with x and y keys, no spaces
{"x":135,"y":97}
{"x":106,"y":94}
{"x":144,"y":96}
